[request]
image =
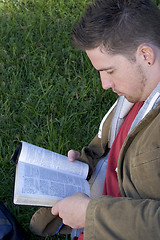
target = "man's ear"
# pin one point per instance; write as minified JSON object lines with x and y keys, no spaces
{"x":147,"y":53}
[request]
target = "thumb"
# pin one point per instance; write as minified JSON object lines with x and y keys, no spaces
{"x":54,"y":210}
{"x":73,"y":155}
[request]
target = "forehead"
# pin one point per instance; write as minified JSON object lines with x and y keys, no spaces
{"x":102,"y":60}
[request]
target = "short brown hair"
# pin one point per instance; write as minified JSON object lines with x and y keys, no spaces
{"x":119,"y":26}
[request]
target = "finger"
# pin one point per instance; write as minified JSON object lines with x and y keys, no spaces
{"x":54,"y":210}
{"x":73,"y":155}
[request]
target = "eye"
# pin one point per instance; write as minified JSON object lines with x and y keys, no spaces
{"x":110,"y":71}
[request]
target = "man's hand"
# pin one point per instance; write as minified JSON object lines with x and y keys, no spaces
{"x":73,"y":155}
{"x":72,"y":210}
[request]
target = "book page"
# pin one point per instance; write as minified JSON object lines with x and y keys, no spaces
{"x":37,"y":182}
{"x":48,"y":159}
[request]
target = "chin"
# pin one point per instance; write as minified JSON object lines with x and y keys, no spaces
{"x":132,"y":100}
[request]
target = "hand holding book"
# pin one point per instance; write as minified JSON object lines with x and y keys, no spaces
{"x":72,"y":210}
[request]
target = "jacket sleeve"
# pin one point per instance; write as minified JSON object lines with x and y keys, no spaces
{"x":98,"y":147}
{"x":136,"y":215}
{"x":122,"y":219}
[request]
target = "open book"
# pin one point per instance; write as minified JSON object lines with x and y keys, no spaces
{"x":43,"y":177}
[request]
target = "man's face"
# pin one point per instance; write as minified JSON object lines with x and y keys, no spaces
{"x":126,"y":78}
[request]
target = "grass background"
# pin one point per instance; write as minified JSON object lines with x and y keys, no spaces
{"x":50,"y":95}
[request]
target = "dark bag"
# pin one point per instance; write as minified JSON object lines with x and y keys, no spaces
{"x":10,"y":229}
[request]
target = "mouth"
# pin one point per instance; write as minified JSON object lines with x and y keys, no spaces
{"x":118,"y":93}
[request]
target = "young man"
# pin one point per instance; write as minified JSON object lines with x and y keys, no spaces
{"x":122,"y":40}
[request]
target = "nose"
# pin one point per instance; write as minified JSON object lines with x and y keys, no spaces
{"x":106,"y":81}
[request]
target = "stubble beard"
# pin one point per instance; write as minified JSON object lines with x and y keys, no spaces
{"x":139,"y":96}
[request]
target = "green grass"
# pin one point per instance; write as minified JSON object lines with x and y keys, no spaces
{"x":50,"y":95}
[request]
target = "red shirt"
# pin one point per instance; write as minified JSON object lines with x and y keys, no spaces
{"x":111,"y":187}
{"x":111,"y":182}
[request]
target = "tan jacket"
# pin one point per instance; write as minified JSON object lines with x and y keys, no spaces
{"x":136,"y":215}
